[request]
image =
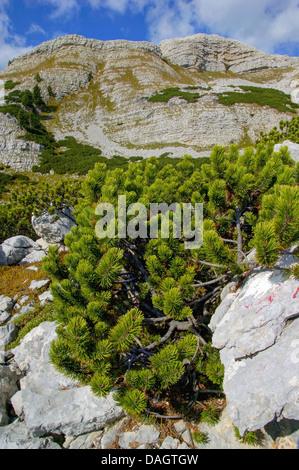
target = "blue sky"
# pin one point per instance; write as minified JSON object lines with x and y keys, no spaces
{"x":270,"y":25}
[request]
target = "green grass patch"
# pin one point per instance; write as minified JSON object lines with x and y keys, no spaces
{"x":10,"y":84}
{"x":165,"y":95}
{"x":31,"y":320}
{"x":7,"y":179}
{"x":71,"y":157}
{"x":260,"y":96}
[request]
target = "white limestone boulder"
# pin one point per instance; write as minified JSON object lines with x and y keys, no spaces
{"x":292,"y":147}
{"x":50,"y":402}
{"x":53,"y":228}
{"x":257,"y":331}
{"x":18,"y":247}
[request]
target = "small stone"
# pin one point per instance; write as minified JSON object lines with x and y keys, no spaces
{"x":16,"y":248}
{"x":53,"y":228}
{"x":111,"y":433}
{"x":4,"y":316}
{"x":186,"y":436}
{"x":93,"y":439}
{"x":38,"y":284}
{"x":32,"y":268}
{"x":180,"y":426}
{"x":45,"y":297}
{"x":183,"y":446}
{"x":6,"y":303}
{"x":7,"y":334}
{"x":126,"y":439}
{"x":23,"y":299}
{"x":16,"y":401}
{"x":79,"y":442}
{"x":170,"y":443}
{"x":34,"y":257}
{"x":147,"y":434}
{"x":67,"y":442}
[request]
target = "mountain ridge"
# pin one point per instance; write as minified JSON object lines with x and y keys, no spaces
{"x":164,"y":49}
{"x":108,"y":94}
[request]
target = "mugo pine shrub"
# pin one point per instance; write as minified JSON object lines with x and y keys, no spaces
{"x":133,"y":313}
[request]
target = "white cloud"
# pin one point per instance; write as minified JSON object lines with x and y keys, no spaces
{"x":36,"y":29}
{"x":60,"y":8}
{"x":11,"y":45}
{"x":120,"y":6}
{"x":167,"y":21}
{"x":264,"y":24}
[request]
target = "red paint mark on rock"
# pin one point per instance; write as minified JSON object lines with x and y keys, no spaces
{"x":296,"y":293}
{"x":266,"y":300}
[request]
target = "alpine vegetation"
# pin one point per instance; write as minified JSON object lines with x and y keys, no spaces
{"x":133,"y":311}
{"x":138,"y":225}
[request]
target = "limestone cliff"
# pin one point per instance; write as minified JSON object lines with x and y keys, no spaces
{"x":214,"y":53}
{"x":102,"y":88}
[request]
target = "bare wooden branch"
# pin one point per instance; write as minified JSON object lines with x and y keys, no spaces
{"x":240,"y":236}
{"x":157,"y":415}
{"x":201,"y":299}
{"x":229,"y":241}
{"x":205,"y":263}
{"x":214,"y":281}
{"x":174,"y":325}
{"x":157,"y":320}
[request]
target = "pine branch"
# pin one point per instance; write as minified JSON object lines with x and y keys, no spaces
{"x":201,"y":299}
{"x":155,"y":311}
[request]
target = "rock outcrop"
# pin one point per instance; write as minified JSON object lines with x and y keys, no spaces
{"x":51,"y":403}
{"x":213,"y":53}
{"x":256,"y":329}
{"x":48,"y":404}
{"x":17,"y":248}
{"x":292,"y":148}
{"x":53,"y":228}
{"x":205,"y":52}
{"x":15,"y":152}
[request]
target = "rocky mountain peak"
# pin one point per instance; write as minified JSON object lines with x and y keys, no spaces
{"x":210,"y":52}
{"x":103,"y":94}
{"x":89,"y":50}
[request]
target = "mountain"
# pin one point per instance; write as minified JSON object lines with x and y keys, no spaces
{"x":139,"y":99}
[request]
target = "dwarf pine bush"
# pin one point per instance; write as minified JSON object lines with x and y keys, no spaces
{"x":133,"y":313}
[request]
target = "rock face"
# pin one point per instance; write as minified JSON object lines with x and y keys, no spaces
{"x":53,"y":228}
{"x":47,"y":404}
{"x":214,"y":53}
{"x":17,"y":153}
{"x":16,"y":436}
{"x":17,"y":248}
{"x":48,"y":401}
{"x":101,"y":90}
{"x":8,"y":387}
{"x":292,"y":147}
{"x":206,"y":52}
{"x":256,"y":329}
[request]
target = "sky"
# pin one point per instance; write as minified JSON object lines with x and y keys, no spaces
{"x":269,"y":25}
